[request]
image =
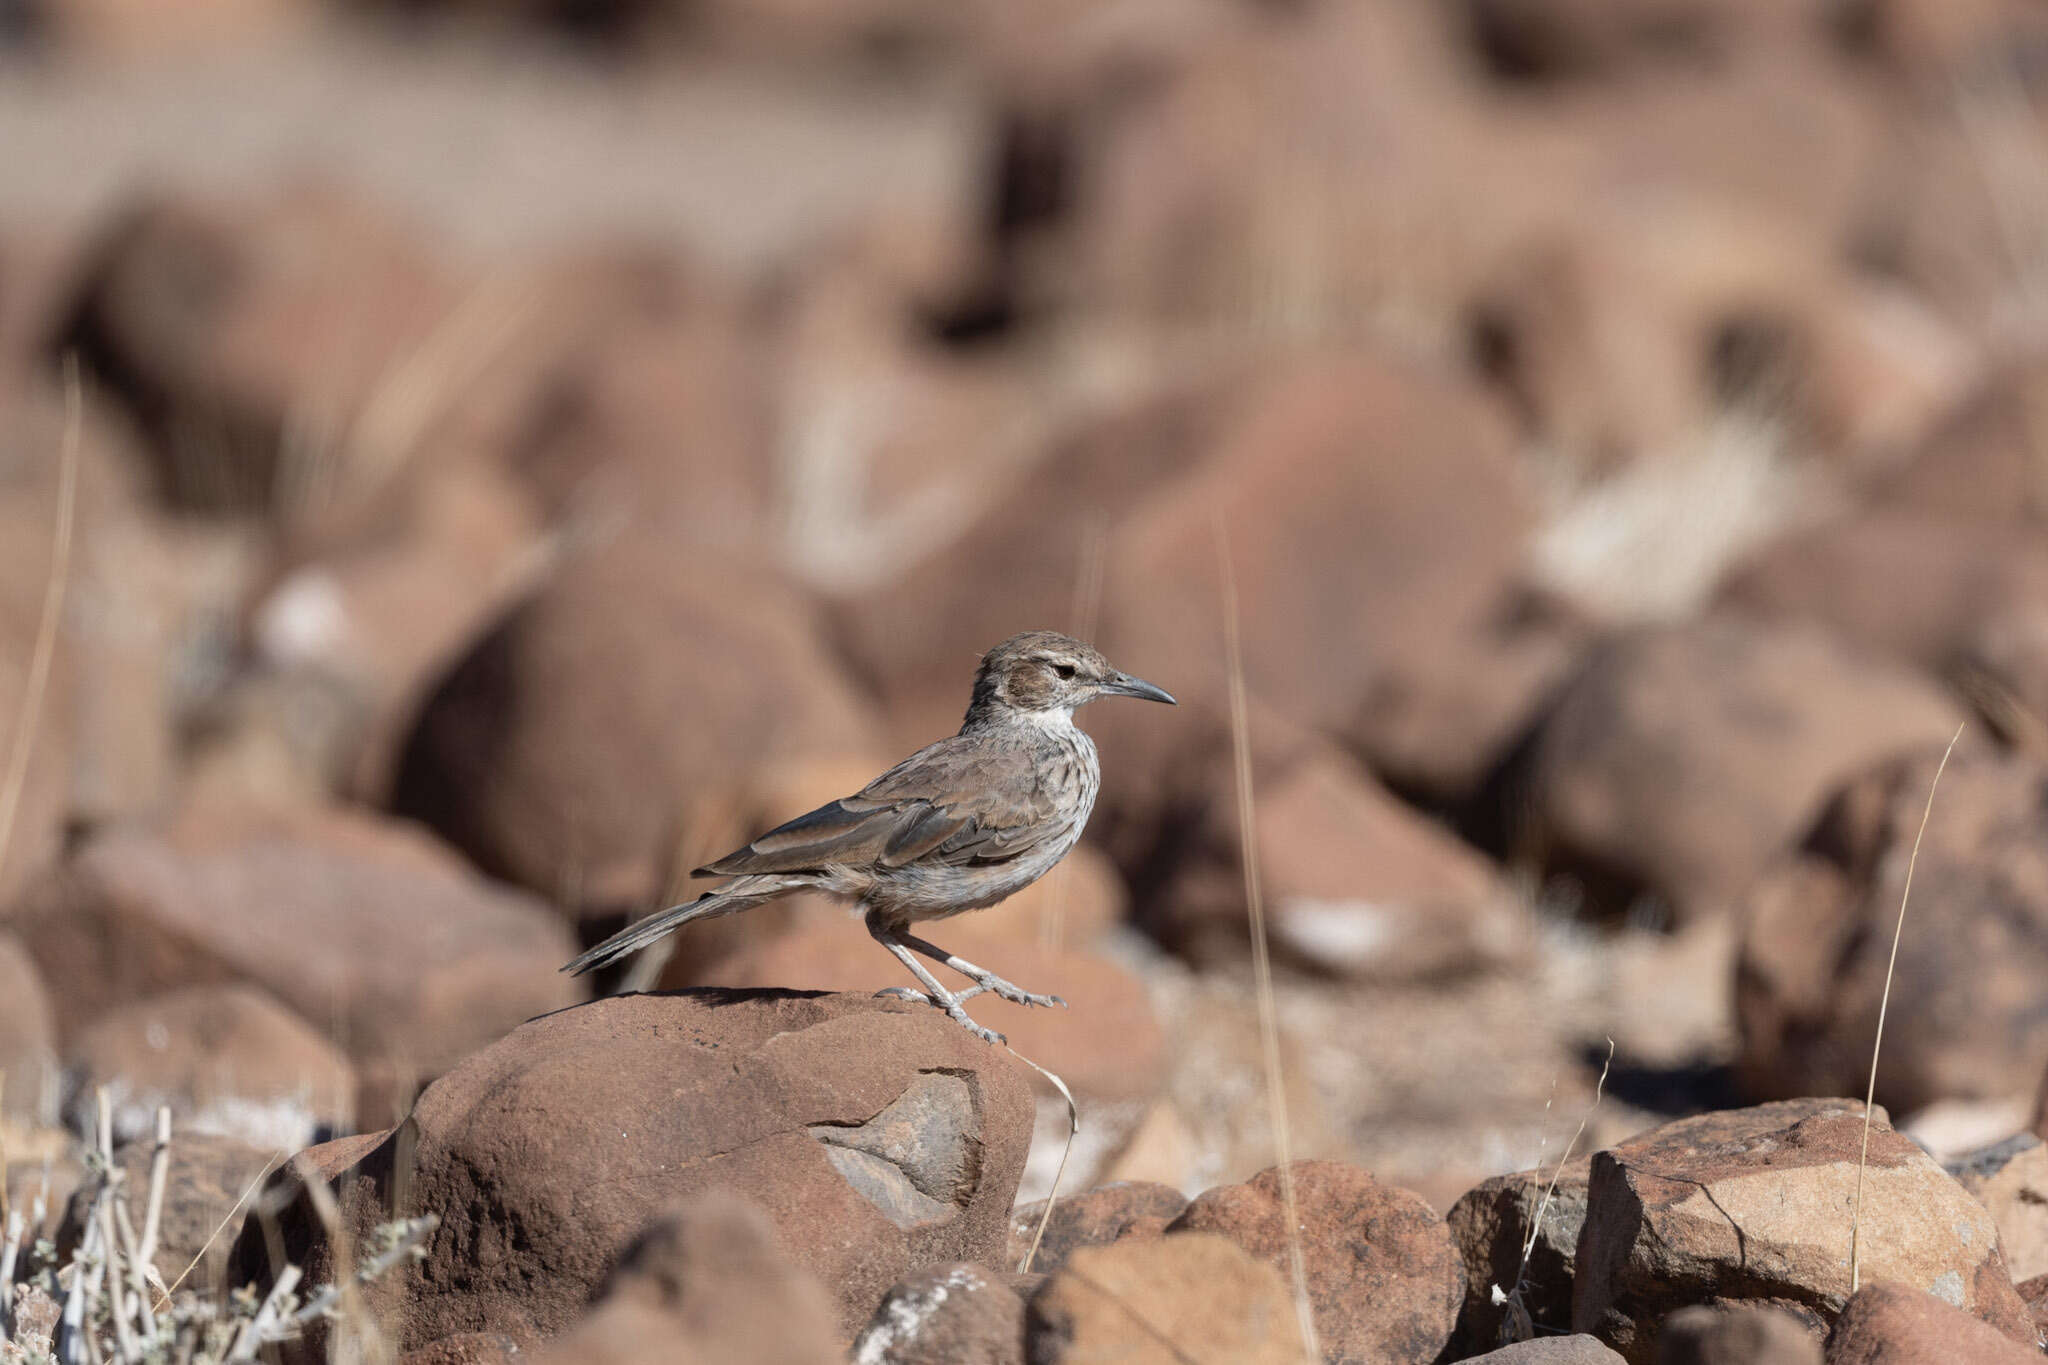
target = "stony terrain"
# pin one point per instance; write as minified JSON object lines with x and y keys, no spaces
{"x":463,"y":465}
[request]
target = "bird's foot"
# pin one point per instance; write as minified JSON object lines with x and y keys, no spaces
{"x":1017,"y":994}
{"x":951,"y":1005}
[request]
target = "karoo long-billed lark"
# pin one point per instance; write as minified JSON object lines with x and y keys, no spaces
{"x":959,"y":825}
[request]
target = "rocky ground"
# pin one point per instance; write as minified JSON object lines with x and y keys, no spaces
{"x":464,"y":465}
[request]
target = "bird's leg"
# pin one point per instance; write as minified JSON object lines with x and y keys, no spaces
{"x":982,"y":977}
{"x":935,"y":993}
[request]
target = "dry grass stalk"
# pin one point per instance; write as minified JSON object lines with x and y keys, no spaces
{"x":30,"y":714}
{"x":1262,"y":962}
{"x":1073,"y":1131}
{"x":1883,"y":1005}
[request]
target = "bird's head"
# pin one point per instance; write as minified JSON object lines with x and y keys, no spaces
{"x":1043,"y":671}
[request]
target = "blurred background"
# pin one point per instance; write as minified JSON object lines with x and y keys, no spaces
{"x":523,"y":449}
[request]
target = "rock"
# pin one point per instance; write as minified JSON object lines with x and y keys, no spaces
{"x":1570,"y":1350}
{"x":942,"y":1315}
{"x":467,"y":1348}
{"x":371,"y":617}
{"x":704,"y":1284}
{"x":1098,"y":1217}
{"x":220,"y":323}
{"x":2035,"y":1292}
{"x":1895,"y":1324}
{"x":360,"y":925}
{"x":1817,"y":937}
{"x":1976,"y":468}
{"x":1764,"y":722}
{"x":28,"y":1040}
{"x":1755,"y":1204}
{"x":1357,"y":884}
{"x":1490,"y":1225}
{"x":1157,"y":1301}
{"x":1898,"y":579}
{"x":1383,"y":1278}
{"x":208,"y":1179}
{"x":584,"y":749}
{"x":876,"y":1135}
{"x":2011,"y":1180}
{"x":1746,"y":1335}
{"x":1106,"y":1044}
{"x":225,"y":1059}
{"x":1543,"y":40}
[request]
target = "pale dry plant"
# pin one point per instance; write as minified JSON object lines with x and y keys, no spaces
{"x":1515,"y":1323}
{"x":1883,"y":1005}
{"x":1262,"y":963}
{"x":115,"y":1303}
{"x":1650,"y":542}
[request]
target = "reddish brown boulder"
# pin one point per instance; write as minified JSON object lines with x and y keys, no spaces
{"x":220,"y":323}
{"x":1491,"y":1225}
{"x":1106,"y":1044}
{"x":1744,"y":1334}
{"x":28,"y":1039}
{"x":224,"y":1059}
{"x":1898,"y":580}
{"x":2011,"y":1180}
{"x":876,"y":1135}
{"x":1896,"y":1324}
{"x":1567,"y":1350}
{"x":945,"y":1315}
{"x":1383,"y":1278}
{"x":1764,"y":722}
{"x":704,"y":1284}
{"x":360,"y":925}
{"x":2035,"y":1292}
{"x":1163,"y":1300}
{"x":1753,"y":1205}
{"x":1963,"y":1021}
{"x":1105,"y":1214}
{"x":588,"y":750}
{"x":1356,"y":883}
{"x":467,"y":1348}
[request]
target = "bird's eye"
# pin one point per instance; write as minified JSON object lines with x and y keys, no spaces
{"x":1063,"y":670}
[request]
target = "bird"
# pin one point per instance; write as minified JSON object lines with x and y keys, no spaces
{"x":959,"y":825}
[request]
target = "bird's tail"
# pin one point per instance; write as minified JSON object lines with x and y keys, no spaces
{"x":742,"y":893}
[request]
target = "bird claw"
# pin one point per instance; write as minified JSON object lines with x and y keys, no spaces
{"x":902,"y":993}
{"x":1017,"y":995}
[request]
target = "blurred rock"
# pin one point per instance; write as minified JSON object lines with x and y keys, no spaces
{"x":594,"y":745}
{"x":2035,"y":1292}
{"x":1098,"y":1217}
{"x":204,"y":1185}
{"x":1963,"y":1022}
{"x":224,"y":1059}
{"x":377,"y":622}
{"x":1553,"y":39}
{"x":1106,"y":1044}
{"x":467,"y":1348}
{"x":1568,"y":1350}
{"x":368,"y":930}
{"x":229,"y":327}
{"x":1155,"y":1301}
{"x":1913,"y":585}
{"x":1383,"y":1278}
{"x":704,"y":1284}
{"x":1763,"y":722}
{"x":1491,"y":1224}
{"x":2011,"y":1180}
{"x":125,"y":31}
{"x":1896,"y":1324}
{"x":945,"y":1314}
{"x":1980,"y":465}
{"x":1441,"y":723}
{"x":28,"y":1040}
{"x":1737,"y":1335}
{"x":877,"y":1136}
{"x":1751,"y":1205}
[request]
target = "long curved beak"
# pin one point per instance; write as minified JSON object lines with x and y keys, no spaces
{"x":1124,"y":685}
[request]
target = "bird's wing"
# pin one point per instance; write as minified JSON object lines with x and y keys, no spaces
{"x":962,"y":800}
